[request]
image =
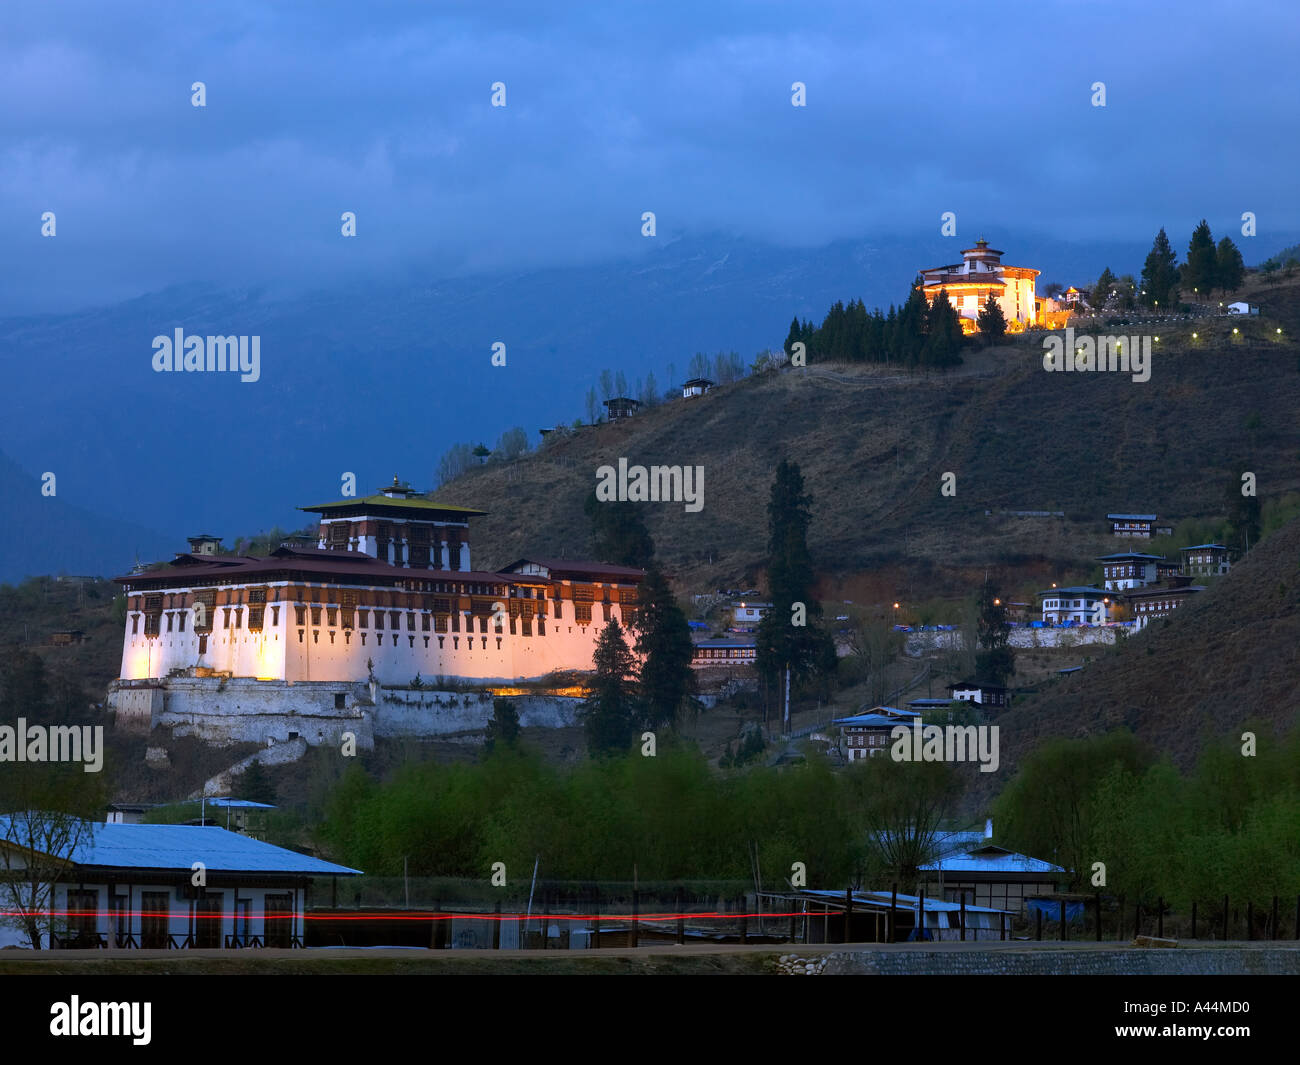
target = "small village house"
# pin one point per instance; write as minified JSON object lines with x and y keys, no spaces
{"x":971,"y":691}
{"x":1129,"y":570}
{"x":131,"y":885}
{"x":1076,"y":605}
{"x":1205,"y":560}
{"x":1139,"y":525}
{"x":868,"y":733}
{"x":696,"y":386}
{"x":621,"y":407}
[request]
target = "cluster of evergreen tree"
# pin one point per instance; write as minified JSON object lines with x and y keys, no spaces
{"x":1208,"y":267}
{"x":918,"y":333}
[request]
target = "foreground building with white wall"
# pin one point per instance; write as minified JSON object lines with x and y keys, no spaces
{"x":132,"y":886}
{"x":385,"y":596}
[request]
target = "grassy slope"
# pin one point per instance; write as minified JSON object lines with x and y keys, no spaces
{"x":1230,"y":656}
{"x":873,"y":444}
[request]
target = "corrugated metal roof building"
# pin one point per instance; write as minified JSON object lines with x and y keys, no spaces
{"x":83,"y":884}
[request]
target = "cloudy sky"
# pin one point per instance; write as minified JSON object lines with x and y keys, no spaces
{"x":612,"y":109}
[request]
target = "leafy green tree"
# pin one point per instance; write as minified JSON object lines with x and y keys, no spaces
{"x":663,"y":640}
{"x":481,"y":453}
{"x":618,"y":532}
{"x":995,"y":662}
{"x":611,"y":713}
{"x":1231,"y":269}
{"x":992,"y":322}
{"x":1160,"y":274}
{"x":903,"y":806}
{"x":1201,"y":271}
{"x":1048,"y":809}
{"x":503,"y":727}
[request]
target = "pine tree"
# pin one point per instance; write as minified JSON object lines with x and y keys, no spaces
{"x":992,"y":322}
{"x":611,"y":713}
{"x":806,"y":649}
{"x":1102,"y":289}
{"x":1200,"y":272}
{"x":943,"y":337}
{"x":663,"y":640}
{"x":1160,"y":274}
{"x":995,"y":662}
{"x":795,"y":336}
{"x":618,"y":532}
{"x":1230,"y":269}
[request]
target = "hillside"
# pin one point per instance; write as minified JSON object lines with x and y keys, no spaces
{"x":1230,"y":656}
{"x":873,"y":443}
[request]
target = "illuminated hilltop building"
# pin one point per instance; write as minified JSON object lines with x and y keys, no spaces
{"x":981,"y":274}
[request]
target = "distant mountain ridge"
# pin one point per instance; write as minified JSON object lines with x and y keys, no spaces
{"x":383,"y":377}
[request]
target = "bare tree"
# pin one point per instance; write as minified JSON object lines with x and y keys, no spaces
{"x":52,"y":807}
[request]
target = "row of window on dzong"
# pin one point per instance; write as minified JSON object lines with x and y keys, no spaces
{"x":521,"y":613}
{"x":518,"y":607}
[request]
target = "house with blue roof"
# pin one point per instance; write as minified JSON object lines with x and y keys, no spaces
{"x":868,"y":732}
{"x":969,"y":865}
{"x":72,"y":884}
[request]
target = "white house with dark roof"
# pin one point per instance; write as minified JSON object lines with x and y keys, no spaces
{"x":132,"y":886}
{"x":1139,"y":525}
{"x":1129,"y":569}
{"x":1076,"y":605}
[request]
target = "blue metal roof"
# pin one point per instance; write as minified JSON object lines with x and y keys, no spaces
{"x":1129,"y":554}
{"x":237,"y":804}
{"x":178,"y":847}
{"x":905,"y":902}
{"x":1076,"y":589}
{"x":1134,"y":517}
{"x":990,"y":859}
{"x":1198,"y":547}
{"x":865,"y":720}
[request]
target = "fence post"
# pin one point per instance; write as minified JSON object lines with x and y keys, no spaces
{"x":636,"y":912}
{"x":1097,"y":902}
{"x":920,"y":938}
{"x":546,"y":919}
{"x":1063,"y":931}
{"x":681,"y":921}
{"x":1160,"y":917}
{"x":848,"y":914}
{"x":496,"y":928}
{"x":1273,"y":929}
{"x":893,"y":908}
{"x":744,"y":919}
{"x":962,"y":916}
{"x":1038,"y":922}
{"x":1225,"y":916}
{"x":1250,"y":918}
{"x":1193,"y":919}
{"x":1002,"y":925}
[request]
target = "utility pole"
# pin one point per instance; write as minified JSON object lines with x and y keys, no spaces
{"x":787,"y":700}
